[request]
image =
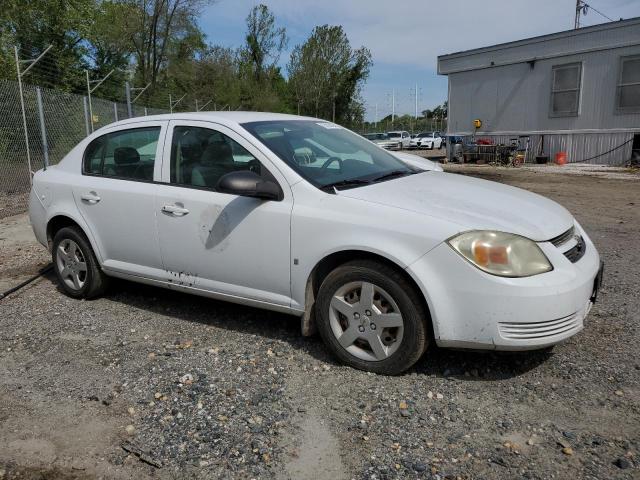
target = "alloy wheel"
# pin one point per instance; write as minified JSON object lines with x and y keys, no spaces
{"x":366,"y":321}
{"x":71,"y":264}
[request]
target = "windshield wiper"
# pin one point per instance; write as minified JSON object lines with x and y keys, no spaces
{"x":393,"y":174}
{"x":345,"y":184}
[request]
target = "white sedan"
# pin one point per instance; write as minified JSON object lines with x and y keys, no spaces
{"x":429,"y":140}
{"x":396,"y":140}
{"x":302,"y":216}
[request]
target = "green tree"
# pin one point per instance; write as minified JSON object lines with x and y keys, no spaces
{"x":156,"y":30}
{"x":264,"y":42}
{"x":326,"y":75}
{"x":34,"y":25}
{"x":215,"y":79}
{"x":109,"y":46}
{"x":261,"y":79}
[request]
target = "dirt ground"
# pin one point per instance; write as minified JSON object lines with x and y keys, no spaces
{"x":149,"y":383}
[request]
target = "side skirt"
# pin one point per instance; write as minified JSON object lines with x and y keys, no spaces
{"x":206,"y":293}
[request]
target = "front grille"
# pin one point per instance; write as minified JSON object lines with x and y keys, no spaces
{"x":563,"y":237}
{"x":528,"y":331}
{"x":577,"y":252}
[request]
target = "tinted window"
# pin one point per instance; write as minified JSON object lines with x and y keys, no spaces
{"x":93,"y":156}
{"x":127,"y":154}
{"x":200,"y":156}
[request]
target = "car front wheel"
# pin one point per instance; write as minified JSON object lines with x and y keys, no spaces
{"x":75,"y":264}
{"x":371,"y":317}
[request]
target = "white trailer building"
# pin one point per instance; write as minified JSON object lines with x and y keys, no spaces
{"x":576,"y":91}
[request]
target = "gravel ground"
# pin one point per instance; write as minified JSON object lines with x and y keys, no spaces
{"x":149,"y":383}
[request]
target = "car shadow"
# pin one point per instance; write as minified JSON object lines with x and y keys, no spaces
{"x":464,"y":365}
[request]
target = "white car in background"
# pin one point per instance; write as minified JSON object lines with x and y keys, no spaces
{"x":396,"y":140}
{"x":379,"y":138}
{"x":428,"y":140}
{"x":302,"y":216}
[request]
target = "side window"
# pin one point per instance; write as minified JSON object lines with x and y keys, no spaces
{"x":127,"y":154}
{"x":565,"y":90}
{"x":93,"y":156}
{"x":628,"y":94}
{"x":201,"y":156}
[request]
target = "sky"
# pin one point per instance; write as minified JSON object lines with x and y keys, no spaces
{"x":405,"y":37}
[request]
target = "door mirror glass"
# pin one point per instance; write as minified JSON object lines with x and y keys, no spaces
{"x":246,"y":183}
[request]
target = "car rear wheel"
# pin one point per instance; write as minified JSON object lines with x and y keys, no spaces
{"x":371,"y":318}
{"x":75,"y":264}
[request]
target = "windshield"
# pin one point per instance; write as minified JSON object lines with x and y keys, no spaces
{"x":394,"y":134}
{"x":326,"y":154}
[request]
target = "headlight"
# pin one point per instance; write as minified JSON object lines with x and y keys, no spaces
{"x":503,"y":254}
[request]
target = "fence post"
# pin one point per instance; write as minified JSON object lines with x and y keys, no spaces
{"x":145,"y":111}
{"x":115,"y":111}
{"x":43,"y":129}
{"x":127,"y":89}
{"x":24,"y":114}
{"x":86,"y":114}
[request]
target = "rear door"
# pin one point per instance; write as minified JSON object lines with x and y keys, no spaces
{"x":226,"y":244}
{"x":116,"y":197}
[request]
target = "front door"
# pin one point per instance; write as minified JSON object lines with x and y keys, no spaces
{"x":116,"y":197}
{"x":231,"y":245}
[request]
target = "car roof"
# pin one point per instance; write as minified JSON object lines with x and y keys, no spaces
{"x":225,"y":117}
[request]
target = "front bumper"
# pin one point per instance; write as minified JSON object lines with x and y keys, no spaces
{"x":391,"y":145}
{"x":473,"y":309}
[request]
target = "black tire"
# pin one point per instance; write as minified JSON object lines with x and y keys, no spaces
{"x":95,"y":281}
{"x":415,"y":317}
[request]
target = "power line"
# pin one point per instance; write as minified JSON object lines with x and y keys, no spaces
{"x":598,"y":11}
{"x":583,"y":7}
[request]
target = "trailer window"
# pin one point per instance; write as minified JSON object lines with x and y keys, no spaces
{"x":565,"y":90}
{"x":628,"y":91}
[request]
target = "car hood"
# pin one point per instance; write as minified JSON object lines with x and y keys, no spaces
{"x":471,"y":203}
{"x":417,"y":161}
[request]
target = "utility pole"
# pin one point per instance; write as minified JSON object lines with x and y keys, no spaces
{"x":416,"y":99}
{"x":31,"y":63}
{"x":393,"y":106}
{"x":581,"y":8}
{"x":375,"y":119}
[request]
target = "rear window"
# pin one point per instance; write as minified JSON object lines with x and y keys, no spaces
{"x":126,"y":154}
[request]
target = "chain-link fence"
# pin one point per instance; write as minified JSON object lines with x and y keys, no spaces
{"x":14,"y":169}
{"x":68,"y":118}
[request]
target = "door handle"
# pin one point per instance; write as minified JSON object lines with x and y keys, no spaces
{"x":90,"y":197}
{"x":175,"y":210}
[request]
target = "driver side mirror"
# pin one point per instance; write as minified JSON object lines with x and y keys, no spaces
{"x":246,"y":183}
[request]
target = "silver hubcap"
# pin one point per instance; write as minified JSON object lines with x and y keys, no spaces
{"x":71,"y":264}
{"x":366,"y":321}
